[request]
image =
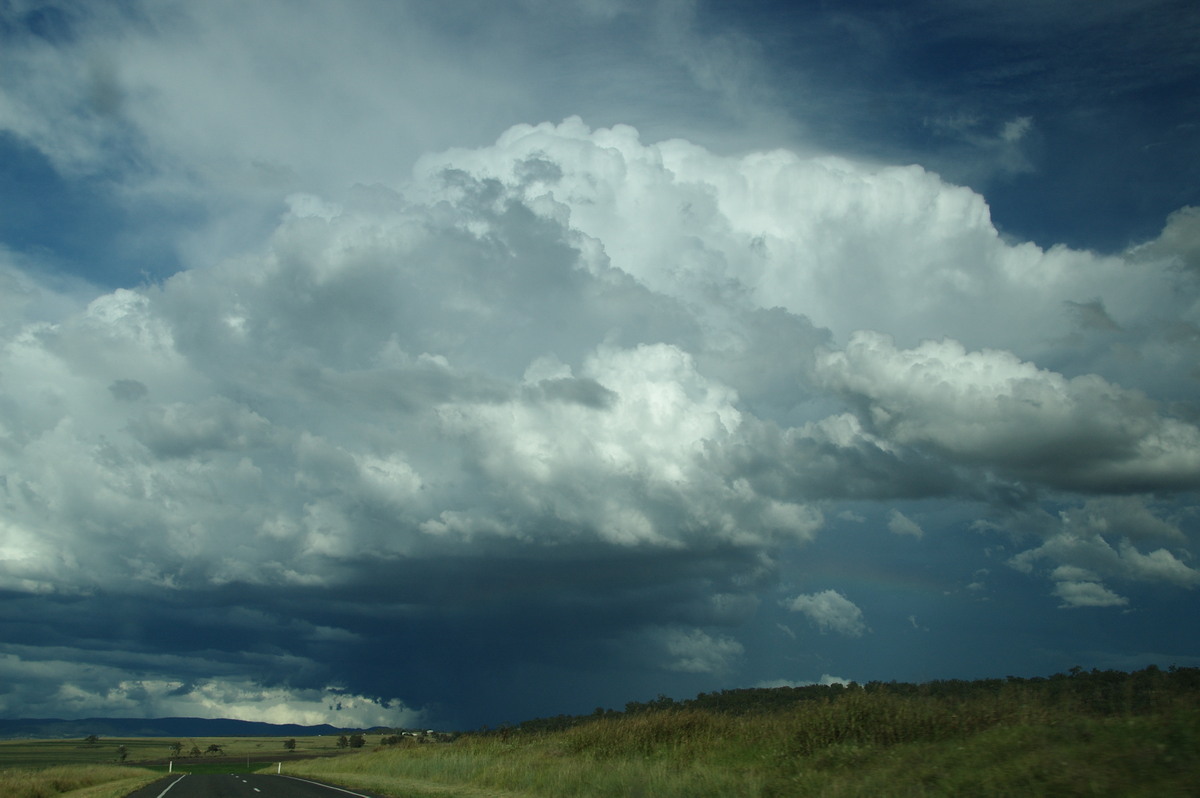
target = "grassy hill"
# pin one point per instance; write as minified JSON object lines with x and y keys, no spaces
{"x":1081,"y":734}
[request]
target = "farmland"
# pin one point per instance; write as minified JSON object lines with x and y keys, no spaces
{"x":157,"y":751}
{"x":96,"y":769}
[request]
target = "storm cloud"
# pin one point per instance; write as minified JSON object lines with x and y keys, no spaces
{"x":566,"y":417}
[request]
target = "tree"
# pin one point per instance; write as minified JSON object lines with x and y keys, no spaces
{"x":121,"y":753}
{"x":195,"y":750}
{"x":176,"y":748}
{"x":290,"y":744}
{"x":357,"y":741}
{"x":213,"y":749}
{"x":343,"y":741}
{"x":91,"y":739}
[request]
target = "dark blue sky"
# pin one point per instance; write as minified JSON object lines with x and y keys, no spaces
{"x":451,"y":364}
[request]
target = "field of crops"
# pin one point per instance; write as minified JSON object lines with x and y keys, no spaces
{"x":113,"y":767}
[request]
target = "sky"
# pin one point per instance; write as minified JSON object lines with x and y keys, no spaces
{"x":450,"y":364}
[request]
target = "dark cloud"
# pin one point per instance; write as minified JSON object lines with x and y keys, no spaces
{"x":128,"y":390}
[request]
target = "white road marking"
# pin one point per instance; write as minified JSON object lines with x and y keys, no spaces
{"x":172,"y":784}
{"x":326,"y":786}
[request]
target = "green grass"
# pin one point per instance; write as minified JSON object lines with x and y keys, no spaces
{"x":1012,"y":742}
{"x":44,"y":753}
{"x":75,"y":781}
{"x":79,"y":769}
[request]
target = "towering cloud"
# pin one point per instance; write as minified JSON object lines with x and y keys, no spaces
{"x":565,"y":399}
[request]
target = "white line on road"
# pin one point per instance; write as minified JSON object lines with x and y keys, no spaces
{"x":172,"y":784}
{"x":326,"y":786}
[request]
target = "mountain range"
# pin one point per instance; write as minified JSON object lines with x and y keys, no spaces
{"x":54,"y":728}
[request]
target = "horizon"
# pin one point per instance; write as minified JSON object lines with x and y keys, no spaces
{"x":632,"y":706}
{"x":443,"y":365}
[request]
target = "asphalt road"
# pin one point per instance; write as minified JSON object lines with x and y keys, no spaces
{"x":243,"y":786}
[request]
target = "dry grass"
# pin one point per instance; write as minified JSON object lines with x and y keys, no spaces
{"x":76,"y":781}
{"x":865,"y":744}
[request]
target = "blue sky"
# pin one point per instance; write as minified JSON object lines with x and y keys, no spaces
{"x":454,"y":364}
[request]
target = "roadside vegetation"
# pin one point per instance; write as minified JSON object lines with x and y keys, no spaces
{"x":97,"y":767}
{"x":1101,"y":733}
{"x":75,"y":781}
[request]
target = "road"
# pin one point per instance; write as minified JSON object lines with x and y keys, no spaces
{"x":243,"y":786}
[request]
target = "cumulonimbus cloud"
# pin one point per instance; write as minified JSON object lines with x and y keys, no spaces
{"x":578,"y":373}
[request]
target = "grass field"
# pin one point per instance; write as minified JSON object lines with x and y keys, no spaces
{"x":75,"y":781}
{"x":43,"y":753}
{"x":1015,"y":741}
{"x":81,"y":769}
{"x":694,"y":754}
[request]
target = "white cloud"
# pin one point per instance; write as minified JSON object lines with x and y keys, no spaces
{"x":825,"y":679}
{"x":990,"y":409}
{"x":649,"y":442}
{"x":847,"y":245}
{"x":1097,"y":541}
{"x":900,"y":524}
{"x":695,"y":651}
{"x":830,"y":611}
{"x":1087,"y":594}
{"x":1079,"y":587}
{"x":63,"y":687}
{"x":1178,"y":243}
{"x":570,"y":342}
{"x":1015,"y":129}
{"x":570,"y":338}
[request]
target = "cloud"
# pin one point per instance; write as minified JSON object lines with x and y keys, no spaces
{"x":990,"y":410}
{"x":1087,"y":594}
{"x":1178,"y":242}
{"x":564,"y":399}
{"x":1106,"y":539}
{"x":1001,"y":150}
{"x":1131,"y":517}
{"x":695,"y":651}
{"x":128,"y":390}
{"x":1016,"y":129}
{"x":203,"y":125}
{"x":54,"y":687}
{"x":649,"y":446}
{"x":180,"y":430}
{"x":830,"y":611}
{"x":900,"y":524}
{"x":825,"y":679}
{"x":1094,"y":552}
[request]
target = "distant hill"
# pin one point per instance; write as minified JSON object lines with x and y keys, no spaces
{"x":53,"y":728}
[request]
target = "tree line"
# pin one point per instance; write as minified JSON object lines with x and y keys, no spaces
{"x":1095,"y":692}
